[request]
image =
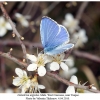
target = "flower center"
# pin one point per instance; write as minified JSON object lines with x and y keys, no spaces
{"x":40,"y":61}
{"x":57,"y":59}
{"x":34,"y":85}
{"x":3,"y":24}
{"x":23,"y":80}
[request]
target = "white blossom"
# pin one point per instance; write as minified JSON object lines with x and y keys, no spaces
{"x":4,"y":26}
{"x":70,"y":23}
{"x":71,"y":89}
{"x":81,"y":38}
{"x":22,"y":80}
{"x":34,"y":86}
{"x":38,"y":63}
{"x":70,"y":61}
{"x":57,"y":62}
{"x":22,"y":19}
{"x":69,"y":73}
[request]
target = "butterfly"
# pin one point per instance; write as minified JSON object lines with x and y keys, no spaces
{"x":54,"y":37}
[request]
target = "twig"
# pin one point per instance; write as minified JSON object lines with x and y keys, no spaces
{"x":14,"y":29}
{"x":81,"y":10}
{"x":71,"y":84}
{"x":47,"y":10}
{"x":86,"y":56}
{"x":3,"y":75}
{"x":50,"y":8}
{"x":13,"y":59}
{"x":2,"y":67}
{"x":50,"y":74}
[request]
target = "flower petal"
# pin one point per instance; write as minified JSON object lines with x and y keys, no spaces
{"x":64,"y":66}
{"x":69,"y":73}
{"x":2,"y":20}
{"x":8,"y":26}
{"x":19,"y":72}
{"x":47,"y":58}
{"x":70,"y":89}
{"x":24,"y":22}
{"x":24,"y":73}
{"x":54,"y":66}
{"x":69,"y":61}
{"x":3,"y":31}
{"x":94,"y":88}
{"x":16,"y":81}
{"x":32,"y":67}
{"x":74,"y":79}
{"x":18,"y":15}
{"x":41,"y":86}
{"x":41,"y":71}
{"x":69,"y":17}
{"x":25,"y":87}
{"x":31,"y":57}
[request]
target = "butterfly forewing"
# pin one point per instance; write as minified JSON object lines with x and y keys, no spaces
{"x":48,"y":30}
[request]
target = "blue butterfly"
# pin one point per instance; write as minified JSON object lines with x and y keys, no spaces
{"x":54,"y":37}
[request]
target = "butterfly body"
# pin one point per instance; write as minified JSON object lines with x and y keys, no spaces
{"x":54,"y":37}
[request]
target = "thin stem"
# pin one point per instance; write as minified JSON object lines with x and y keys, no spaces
{"x":81,"y":10}
{"x":70,"y":83}
{"x":7,"y":55}
{"x":86,"y":56}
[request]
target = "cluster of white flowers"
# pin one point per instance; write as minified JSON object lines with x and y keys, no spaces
{"x":70,"y":23}
{"x":73,"y":27}
{"x":4,"y":26}
{"x":82,"y":38}
{"x":22,"y":19}
{"x":38,"y":65}
{"x":25,"y":83}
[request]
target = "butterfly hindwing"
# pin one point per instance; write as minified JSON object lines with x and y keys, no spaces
{"x":60,"y":49}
